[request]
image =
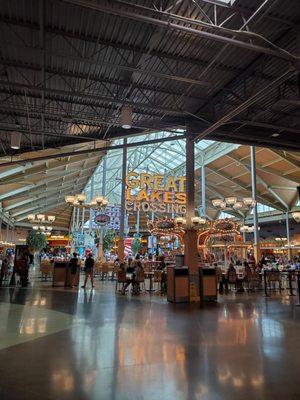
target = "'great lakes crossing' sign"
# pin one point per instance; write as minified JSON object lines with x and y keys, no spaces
{"x":155,"y":193}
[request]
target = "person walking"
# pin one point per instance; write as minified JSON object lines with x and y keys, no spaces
{"x":4,"y":270}
{"x":89,"y":270}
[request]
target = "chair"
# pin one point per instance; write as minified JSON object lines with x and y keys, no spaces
{"x":253,"y":279}
{"x":97,"y":268}
{"x":157,"y":278}
{"x":232,"y":278}
{"x":274,"y":277}
{"x":111,"y":270}
{"x":104,"y":271}
{"x":114,"y":272}
{"x":46,"y":269}
{"x":121,"y":279}
{"x":140,"y":279}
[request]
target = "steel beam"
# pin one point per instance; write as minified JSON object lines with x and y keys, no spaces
{"x":181,"y":28}
{"x":285,"y":156}
{"x":245,"y":188}
{"x":16,"y":191}
{"x":246,"y":104}
{"x":31,"y":171}
{"x":12,"y":171}
{"x":103,"y":80}
{"x":262,"y":181}
{"x":95,"y":150}
{"x":90,"y":97}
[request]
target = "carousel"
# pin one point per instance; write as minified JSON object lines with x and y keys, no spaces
{"x":169,"y":235}
{"x":218,"y":241}
{"x":222,"y":241}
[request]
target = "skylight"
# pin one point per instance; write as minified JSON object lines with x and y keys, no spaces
{"x":230,"y":2}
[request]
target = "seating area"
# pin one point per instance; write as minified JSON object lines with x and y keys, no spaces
{"x":152,"y":280}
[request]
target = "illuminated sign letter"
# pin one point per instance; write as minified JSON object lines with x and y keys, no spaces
{"x":132,"y":183}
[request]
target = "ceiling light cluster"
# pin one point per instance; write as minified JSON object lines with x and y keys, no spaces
{"x":46,"y":230}
{"x":79,"y":199}
{"x":296,"y":216}
{"x":7,"y":244}
{"x":196,"y":221}
{"x":234,"y":202}
{"x":248,"y":229}
{"x":40,"y":218}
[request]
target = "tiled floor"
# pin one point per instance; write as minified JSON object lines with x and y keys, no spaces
{"x":60,"y":344}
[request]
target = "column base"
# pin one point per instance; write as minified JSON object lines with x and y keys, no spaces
{"x":257,"y":252}
{"x":191,"y":261}
{"x":121,"y":250}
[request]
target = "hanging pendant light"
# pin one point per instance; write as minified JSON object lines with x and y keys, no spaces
{"x":15,"y":140}
{"x":126,"y":116}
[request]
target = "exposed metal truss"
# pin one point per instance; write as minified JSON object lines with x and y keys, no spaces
{"x":218,"y":69}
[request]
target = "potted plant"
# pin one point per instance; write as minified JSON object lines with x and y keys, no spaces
{"x":36,"y":241}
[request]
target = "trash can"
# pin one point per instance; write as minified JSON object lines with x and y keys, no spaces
{"x":208,"y":284}
{"x":178,"y":284}
{"x":59,"y":273}
{"x":179,"y":260}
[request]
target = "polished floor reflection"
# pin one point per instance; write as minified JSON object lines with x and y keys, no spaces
{"x":57,"y":344}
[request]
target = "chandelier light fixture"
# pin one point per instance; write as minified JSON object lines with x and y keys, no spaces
{"x":40,"y":218}
{"x":296,"y":216}
{"x":79,"y":201}
{"x":234,"y":202}
{"x":45,"y":230}
{"x":180,"y":221}
{"x":196,"y":222}
{"x":248,"y":228}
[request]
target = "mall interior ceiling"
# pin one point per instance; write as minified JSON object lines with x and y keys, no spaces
{"x":226,"y":72}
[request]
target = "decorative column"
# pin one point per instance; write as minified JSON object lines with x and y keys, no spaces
{"x":101,"y":230}
{"x":287,"y":225}
{"x":138,"y":222}
{"x":92,"y":216}
{"x":77,"y":219}
{"x":203,"y":191}
{"x":104,"y":169}
{"x":123,"y":194}
{"x":244,"y":233}
{"x":256,"y":245}
{"x":82,"y":220}
{"x":190,"y":237}
{"x":73,"y":220}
